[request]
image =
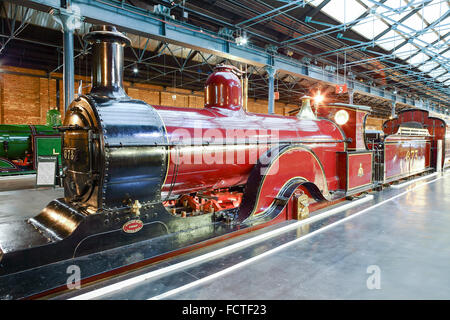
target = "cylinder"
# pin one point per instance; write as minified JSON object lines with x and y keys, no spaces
{"x":107,"y":61}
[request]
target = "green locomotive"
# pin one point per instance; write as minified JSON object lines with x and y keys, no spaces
{"x":20,"y":145}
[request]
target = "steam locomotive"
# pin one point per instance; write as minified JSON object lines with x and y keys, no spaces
{"x":21,"y":145}
{"x":180,"y":176}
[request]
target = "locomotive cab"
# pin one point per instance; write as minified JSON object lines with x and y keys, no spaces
{"x":351,"y":118}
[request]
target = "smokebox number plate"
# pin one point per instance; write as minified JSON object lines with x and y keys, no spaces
{"x":70,"y":154}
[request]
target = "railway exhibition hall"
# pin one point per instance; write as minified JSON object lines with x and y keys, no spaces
{"x":224,"y":153}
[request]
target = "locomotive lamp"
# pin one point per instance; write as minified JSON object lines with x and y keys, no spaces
{"x":341,"y":117}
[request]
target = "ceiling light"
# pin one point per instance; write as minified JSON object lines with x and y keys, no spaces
{"x":242,"y":40}
{"x":318,"y":98}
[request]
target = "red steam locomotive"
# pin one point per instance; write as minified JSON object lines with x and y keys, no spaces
{"x":180,"y":176}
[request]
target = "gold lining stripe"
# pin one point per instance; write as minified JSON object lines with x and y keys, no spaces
{"x":363,"y":185}
{"x":347,"y":108}
{"x":276,"y":159}
{"x":273,"y":201}
{"x":168,"y":148}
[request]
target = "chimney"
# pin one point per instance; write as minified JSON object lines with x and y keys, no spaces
{"x":107,"y":61}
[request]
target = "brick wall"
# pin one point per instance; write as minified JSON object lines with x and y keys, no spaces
{"x":26,"y":95}
{"x":25,"y":99}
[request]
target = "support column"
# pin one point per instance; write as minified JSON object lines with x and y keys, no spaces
{"x":350,"y":96}
{"x":393,"y":109}
{"x":69,"y":65}
{"x":271,"y":73}
{"x":69,"y":21}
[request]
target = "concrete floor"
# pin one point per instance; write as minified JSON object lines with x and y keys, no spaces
{"x":20,"y":200}
{"x":404,"y":237}
{"x":399,"y":249}
{"x":407,"y":240}
{"x":17,"y":182}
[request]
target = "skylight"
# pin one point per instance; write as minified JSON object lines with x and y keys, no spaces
{"x":418,"y":40}
{"x":428,"y":66}
{"x":344,"y":10}
{"x":370,"y":27}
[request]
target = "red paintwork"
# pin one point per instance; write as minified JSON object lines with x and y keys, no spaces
{"x":359,"y":170}
{"x":401,"y":158}
{"x":289,"y":165}
{"x":447,"y":149}
{"x":205,"y":174}
{"x":353,"y":128}
{"x":217,"y":166}
{"x":438,"y":129}
{"x":232,"y":153}
{"x":350,"y":168}
{"x":223,"y":89}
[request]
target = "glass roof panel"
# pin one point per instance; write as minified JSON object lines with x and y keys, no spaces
{"x":390,"y":40}
{"x":394,"y":4}
{"x":418,"y":59}
{"x":433,"y":10}
{"x":370,"y":27}
{"x":314,"y":2}
{"x":428,"y":66}
{"x":413,"y":23}
{"x":368,"y":3}
{"x":382,"y":18}
{"x":440,"y":45}
{"x":404,"y":52}
{"x":428,"y":37}
{"x":443,"y":26}
{"x":344,"y":10}
{"x":446,"y":54}
{"x":437,"y":72}
{"x":443,"y":78}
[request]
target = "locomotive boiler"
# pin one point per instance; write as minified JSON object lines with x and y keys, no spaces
{"x":180,"y":176}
